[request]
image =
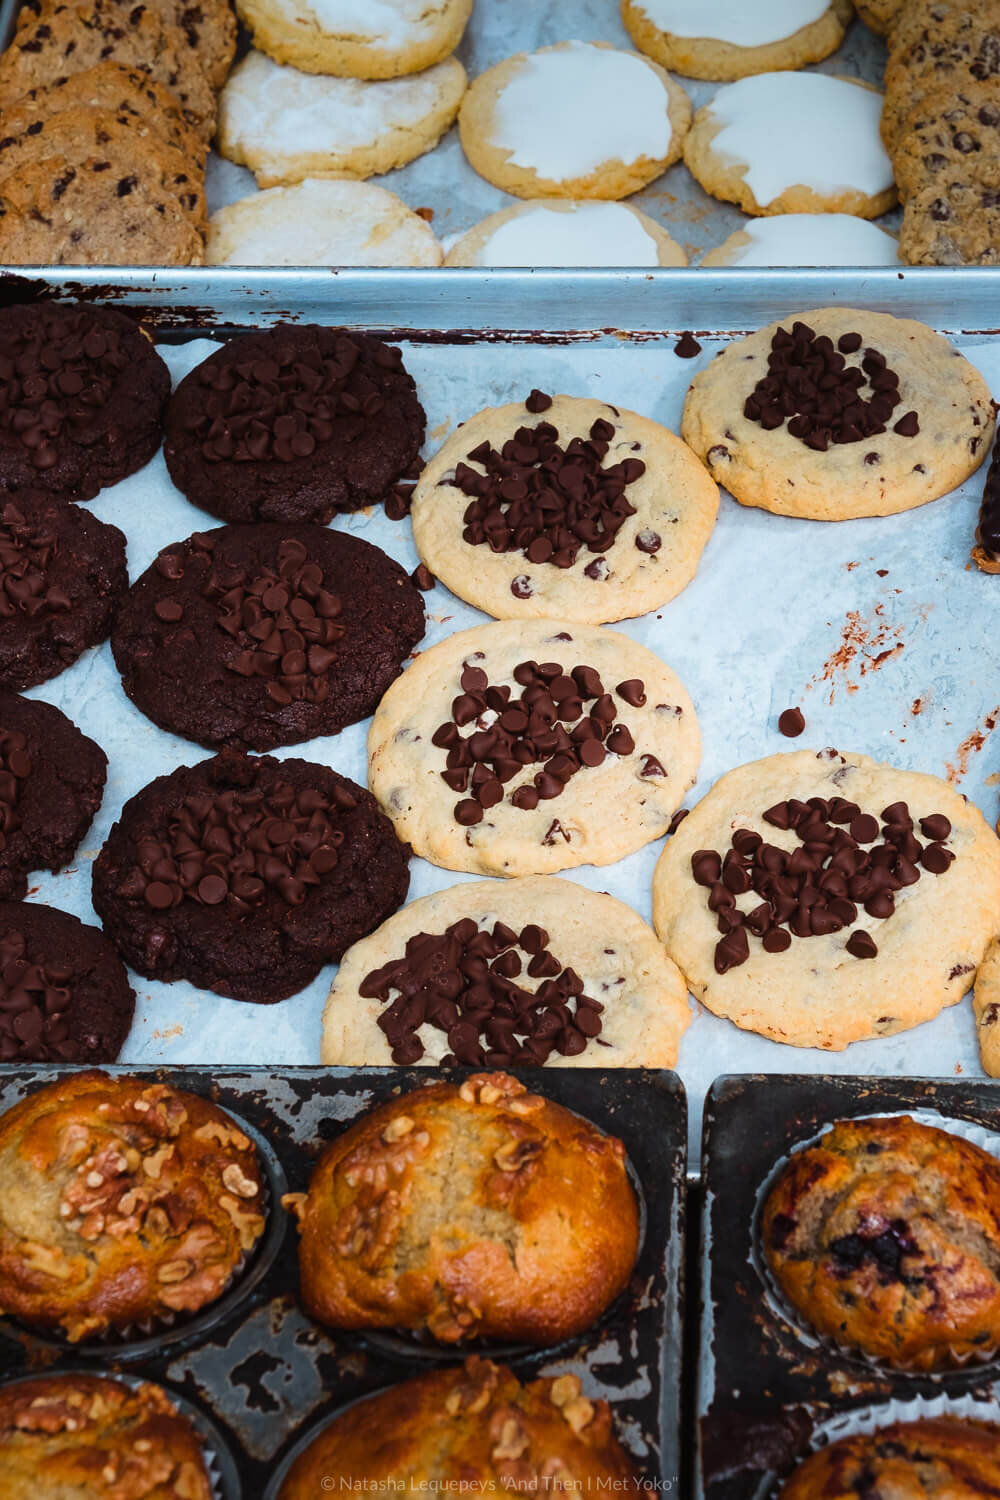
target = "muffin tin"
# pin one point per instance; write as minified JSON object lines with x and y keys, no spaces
{"x":266,"y":1374}
{"x":768,"y":1391}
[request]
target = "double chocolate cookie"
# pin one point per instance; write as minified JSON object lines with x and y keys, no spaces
{"x":64,"y":993}
{"x":61,"y":571}
{"x":51,"y":784}
{"x":82,"y":393}
{"x":295,"y":424}
{"x":256,"y":636}
{"x":246,"y":875}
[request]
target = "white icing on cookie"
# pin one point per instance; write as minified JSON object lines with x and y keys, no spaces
{"x":569,"y":109}
{"x":815,"y":240}
{"x":588,"y":234}
{"x":393,"y":23}
{"x":802,"y":129}
{"x":744,"y":23}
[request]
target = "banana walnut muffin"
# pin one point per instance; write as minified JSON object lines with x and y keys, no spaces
{"x":909,"y":1461}
{"x":885,"y":1236}
{"x":122,"y":1204}
{"x":468,"y":1210}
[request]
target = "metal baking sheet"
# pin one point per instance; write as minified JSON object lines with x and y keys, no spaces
{"x":762,"y":1389}
{"x":266,"y":1372}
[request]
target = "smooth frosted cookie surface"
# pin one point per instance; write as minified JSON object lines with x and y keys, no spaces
{"x":821,"y":923}
{"x":793,"y":143}
{"x":286,"y":125}
{"x":321,"y":223}
{"x":539,"y":937}
{"x":531,"y":747}
{"x":560,"y":233}
{"x":577,"y":120}
{"x":807,"y":240}
{"x":906,"y":419}
{"x":628,"y":511}
{"x":726,"y":39}
{"x":357,"y":38}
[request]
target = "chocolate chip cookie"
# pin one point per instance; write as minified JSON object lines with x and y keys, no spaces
{"x":937,"y":44}
{"x":61,"y":574}
{"x":265,"y":635}
{"x":51,"y":785}
{"x":953,"y":223}
{"x":246,"y":875}
{"x":952,"y":135}
{"x":295,"y":424}
{"x":82,"y":395}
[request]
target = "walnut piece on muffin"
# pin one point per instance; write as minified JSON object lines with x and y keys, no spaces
{"x":449,"y":1209}
{"x":910,"y":1460}
{"x":122,"y":1203}
{"x":885,"y":1237}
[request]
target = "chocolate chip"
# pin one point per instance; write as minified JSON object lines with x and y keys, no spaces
{"x":537,"y":402}
{"x":937,"y":827}
{"x":423,"y":578}
{"x":810,"y":386}
{"x":649,"y":541}
{"x":633,"y":692}
{"x":521,"y":587}
{"x":687,"y":346}
{"x":792,"y":722}
{"x":907,"y":426}
{"x":861,"y":945}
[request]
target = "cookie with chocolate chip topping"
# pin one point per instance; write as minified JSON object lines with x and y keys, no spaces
{"x":265,"y":635}
{"x":839,"y":413}
{"x":294,"y":424}
{"x":245,"y":875}
{"x":822,"y":898}
{"x":563,"y":508}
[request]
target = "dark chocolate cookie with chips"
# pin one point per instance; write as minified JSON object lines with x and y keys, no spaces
{"x":246,"y":875}
{"x":294,"y":424}
{"x":257,"y":636}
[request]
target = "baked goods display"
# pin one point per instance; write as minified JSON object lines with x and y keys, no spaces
{"x":907,"y":1460}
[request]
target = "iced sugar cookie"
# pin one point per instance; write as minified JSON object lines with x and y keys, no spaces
{"x":357,"y":38}
{"x":577,"y":120}
{"x":321,"y":223}
{"x":286,"y":125}
{"x":807,"y":240}
{"x":558,"y":233}
{"x":728,"y":39}
{"x":783,"y":143}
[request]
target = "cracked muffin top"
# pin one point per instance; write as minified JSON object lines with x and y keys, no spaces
{"x":123,"y":1203}
{"x":468,"y":1210}
{"x":909,"y":1461}
{"x":885,"y":1236}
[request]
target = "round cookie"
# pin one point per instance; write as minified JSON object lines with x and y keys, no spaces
{"x":64,"y":995}
{"x":789,"y":143}
{"x":559,"y":233}
{"x":208,"y":26}
{"x":725,"y":39}
{"x":577,"y":120}
{"x":806,"y":240}
{"x":62,"y":571}
{"x":51,"y":784}
{"x":404,"y":994}
{"x":286,"y":125}
{"x":986,"y":1005}
{"x":525,"y":748}
{"x":923,"y":427}
{"x":293,"y":424}
{"x":357,"y":38}
{"x":879,"y":15}
{"x":941,"y":1456}
{"x":953,"y":135}
{"x":628,"y":511}
{"x":951,"y":224}
{"x":873,"y":928}
{"x":102,"y":388}
{"x":265,"y":635}
{"x":245,"y":876}
{"x":321,"y":223}
{"x":937,"y":44}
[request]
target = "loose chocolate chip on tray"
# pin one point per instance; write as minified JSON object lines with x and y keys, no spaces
{"x":687,"y":346}
{"x":987,"y":553}
{"x":791,"y":723}
{"x":423,"y":578}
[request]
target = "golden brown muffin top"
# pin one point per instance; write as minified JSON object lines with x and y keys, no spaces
{"x":121,"y":1201}
{"x":945,"y":1459}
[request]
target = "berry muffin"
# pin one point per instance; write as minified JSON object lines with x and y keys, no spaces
{"x":123,"y":1203}
{"x":446,"y":1210}
{"x":908,"y":1461}
{"x":885,"y":1237}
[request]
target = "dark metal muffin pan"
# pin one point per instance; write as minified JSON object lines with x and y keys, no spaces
{"x":264,"y":1372}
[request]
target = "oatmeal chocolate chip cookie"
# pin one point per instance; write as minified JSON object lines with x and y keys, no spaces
{"x":986,"y":1004}
{"x":577,"y":120}
{"x":529,"y":747}
{"x":287,"y":126}
{"x":937,"y":44}
{"x":265,"y":635}
{"x":942,"y":1456}
{"x":563,"y":508}
{"x":357,"y":38}
{"x":561,"y":233}
{"x":780,"y":143}
{"x":51,"y":785}
{"x":952,"y":135}
{"x":207,"y":26}
{"x":245,"y":875}
{"x":82,"y":395}
{"x":295,"y":424}
{"x":321,"y":223}
{"x":843,"y":413}
{"x":806,"y":240}
{"x":879,"y":15}
{"x":822,"y":899}
{"x":572,"y":978}
{"x":62,"y":571}
{"x":723,"y":39}
{"x":885,"y":1237}
{"x":954,"y":223}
